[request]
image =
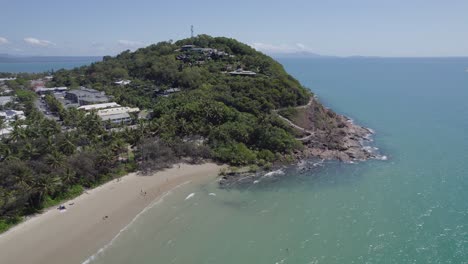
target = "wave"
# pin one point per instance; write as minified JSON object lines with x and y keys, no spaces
{"x":190,"y":196}
{"x":273,"y":173}
{"x":156,"y":202}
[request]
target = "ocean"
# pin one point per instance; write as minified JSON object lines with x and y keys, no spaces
{"x":411,"y":208}
{"x":43,"y":64}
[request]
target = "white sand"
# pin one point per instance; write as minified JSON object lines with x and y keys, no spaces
{"x":73,"y":235}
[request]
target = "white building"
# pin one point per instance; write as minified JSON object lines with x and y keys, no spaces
{"x":117,"y":115}
{"x":242,"y":72}
{"x":117,"y":118}
{"x":5,"y":100}
{"x":123,"y":82}
{"x":98,"y":106}
{"x":117,"y":110}
{"x":12,"y":115}
{"x":7,"y":79}
{"x":5,"y":132}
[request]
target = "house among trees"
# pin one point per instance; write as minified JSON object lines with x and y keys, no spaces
{"x":242,"y":72}
{"x":86,"y":96}
{"x":98,"y":106}
{"x":167,"y":92}
{"x":5,"y":100}
{"x":123,"y":82}
{"x":11,"y":115}
{"x":119,"y":115}
{"x":43,"y":90}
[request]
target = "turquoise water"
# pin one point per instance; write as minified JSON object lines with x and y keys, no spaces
{"x":411,"y":208}
{"x":36,"y":67}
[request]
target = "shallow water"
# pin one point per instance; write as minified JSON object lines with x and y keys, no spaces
{"x":411,"y":208}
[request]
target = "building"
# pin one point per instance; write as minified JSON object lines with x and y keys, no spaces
{"x":187,"y":47}
{"x":44,"y":90}
{"x":7,"y":79}
{"x":5,"y":100}
{"x":118,"y":115}
{"x":167,"y":92}
{"x":12,"y":115}
{"x":123,"y":118}
{"x":98,"y":106}
{"x":5,"y":132}
{"x":242,"y":72}
{"x":117,"y":110}
{"x":123,"y":82}
{"x":86,"y":96}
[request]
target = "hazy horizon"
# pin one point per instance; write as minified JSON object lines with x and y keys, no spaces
{"x":361,"y":28}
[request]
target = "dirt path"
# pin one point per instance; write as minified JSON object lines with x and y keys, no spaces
{"x":309,"y":132}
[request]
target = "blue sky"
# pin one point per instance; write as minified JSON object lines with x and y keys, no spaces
{"x":345,"y":28}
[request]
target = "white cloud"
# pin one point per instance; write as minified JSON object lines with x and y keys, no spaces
{"x":3,"y":41}
{"x":39,"y":42}
{"x":283,"y":48}
{"x":130,"y":44}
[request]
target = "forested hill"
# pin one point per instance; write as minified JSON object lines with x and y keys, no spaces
{"x":210,"y":98}
{"x":231,"y":112}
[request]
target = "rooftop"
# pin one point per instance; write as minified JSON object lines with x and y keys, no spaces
{"x":98,"y":106}
{"x":52,"y":89}
{"x":117,"y":110}
{"x":85,"y":96}
{"x":123,"y":82}
{"x":116,"y":117}
{"x":5,"y":100}
{"x":242,"y":72}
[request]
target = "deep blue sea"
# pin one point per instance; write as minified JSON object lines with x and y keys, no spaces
{"x":43,"y":64}
{"x":412,"y":208}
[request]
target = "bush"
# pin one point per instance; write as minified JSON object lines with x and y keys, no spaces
{"x":237,"y":154}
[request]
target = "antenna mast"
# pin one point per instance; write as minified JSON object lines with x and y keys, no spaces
{"x":191,"y":30}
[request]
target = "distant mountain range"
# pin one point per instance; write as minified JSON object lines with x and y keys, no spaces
{"x":9,"y":58}
{"x":301,"y":54}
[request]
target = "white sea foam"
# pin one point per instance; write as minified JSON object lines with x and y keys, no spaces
{"x":256,"y":181}
{"x":273,"y":173}
{"x":212,"y":194}
{"x":158,"y":201}
{"x":189,"y":196}
{"x":383,"y":157}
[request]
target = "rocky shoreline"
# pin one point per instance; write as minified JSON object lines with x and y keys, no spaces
{"x":350,"y":143}
{"x":331,"y":137}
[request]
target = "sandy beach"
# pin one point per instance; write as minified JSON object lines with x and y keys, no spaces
{"x":71,"y":236}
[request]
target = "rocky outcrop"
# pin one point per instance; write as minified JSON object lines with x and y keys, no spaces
{"x":345,"y":142}
{"x":330,"y":136}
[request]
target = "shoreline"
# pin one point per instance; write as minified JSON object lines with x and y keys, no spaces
{"x":93,"y":219}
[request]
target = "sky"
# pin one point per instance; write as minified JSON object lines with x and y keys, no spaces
{"x":393,"y":28}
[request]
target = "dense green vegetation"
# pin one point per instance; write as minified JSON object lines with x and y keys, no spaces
{"x":230,"y":112}
{"x":216,"y":115}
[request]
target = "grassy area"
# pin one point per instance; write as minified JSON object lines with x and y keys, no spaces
{"x":74,"y":191}
{"x":6,"y":224}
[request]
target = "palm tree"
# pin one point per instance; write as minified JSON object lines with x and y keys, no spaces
{"x":18,"y":132}
{"x":55,"y":159}
{"x":2,"y":124}
{"x":29,"y":151}
{"x":66,"y":146}
{"x":43,"y":185}
{"x":68,"y":177}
